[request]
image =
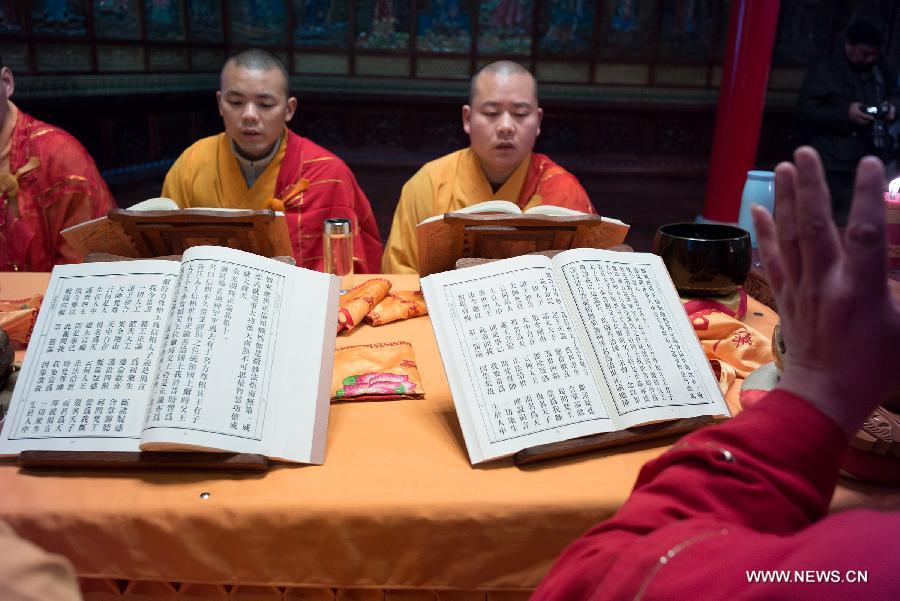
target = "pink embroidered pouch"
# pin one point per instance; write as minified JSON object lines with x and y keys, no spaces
{"x":375,"y":372}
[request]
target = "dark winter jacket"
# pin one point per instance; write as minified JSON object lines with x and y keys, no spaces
{"x":828,"y":90}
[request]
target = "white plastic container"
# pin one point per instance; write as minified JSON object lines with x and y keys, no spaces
{"x":758,"y":189}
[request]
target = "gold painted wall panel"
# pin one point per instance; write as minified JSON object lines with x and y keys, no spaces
{"x":206,"y":59}
{"x":443,"y":68}
{"x":621,"y":73}
{"x":338,"y":64}
{"x":15,"y":56}
{"x":563,"y":71}
{"x":120,"y":58}
{"x":168,"y":59}
{"x":63,"y":57}
{"x":785,"y":79}
{"x":396,"y":66}
{"x":684,"y":75}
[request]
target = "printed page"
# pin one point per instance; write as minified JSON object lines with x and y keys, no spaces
{"x":488,"y":206}
{"x":155,"y":204}
{"x":91,"y":359}
{"x":518,"y":375}
{"x":242,"y":365}
{"x":651,"y":364}
{"x":554,"y":211}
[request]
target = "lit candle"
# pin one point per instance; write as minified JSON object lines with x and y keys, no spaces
{"x":892,"y":203}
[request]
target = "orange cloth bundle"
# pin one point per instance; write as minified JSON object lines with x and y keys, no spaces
{"x":17,"y":317}
{"x":403,"y":304}
{"x":726,"y":338}
{"x":359,"y":301}
{"x":724,"y":373}
{"x":376,"y":372}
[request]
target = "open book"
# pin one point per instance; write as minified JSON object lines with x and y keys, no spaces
{"x":498,"y":229}
{"x":158,"y":227}
{"x":511,"y":208}
{"x":202,"y":354}
{"x":541,"y":350}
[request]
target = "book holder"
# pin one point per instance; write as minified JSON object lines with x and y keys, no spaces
{"x":144,"y":460}
{"x":501,"y":236}
{"x":606,"y":440}
{"x":159,"y":233}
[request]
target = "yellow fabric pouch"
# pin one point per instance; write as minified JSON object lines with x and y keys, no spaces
{"x":724,"y":374}
{"x":375,"y":372}
{"x":359,"y":301}
{"x":402,"y":304}
{"x":17,"y":317}
{"x":728,"y":339}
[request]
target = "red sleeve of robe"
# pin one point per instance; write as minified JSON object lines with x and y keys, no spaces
{"x":727,"y":502}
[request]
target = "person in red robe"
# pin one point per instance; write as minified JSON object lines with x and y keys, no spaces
{"x":259,"y":163}
{"x":48,"y":182}
{"x":739,"y":510}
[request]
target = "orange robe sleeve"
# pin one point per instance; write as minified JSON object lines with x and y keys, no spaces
{"x":63,"y":190}
{"x":314,"y":185}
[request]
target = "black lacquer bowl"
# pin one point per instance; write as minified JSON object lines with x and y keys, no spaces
{"x":704,"y":259}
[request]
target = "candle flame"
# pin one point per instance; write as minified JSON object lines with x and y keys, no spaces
{"x":894,"y":186}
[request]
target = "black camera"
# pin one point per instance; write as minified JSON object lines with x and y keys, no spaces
{"x":879,"y":124}
{"x":879,"y":111}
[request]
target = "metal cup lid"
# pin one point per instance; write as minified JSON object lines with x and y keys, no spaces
{"x":337,"y":227}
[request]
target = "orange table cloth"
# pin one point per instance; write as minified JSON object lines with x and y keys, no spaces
{"x":397,"y":511}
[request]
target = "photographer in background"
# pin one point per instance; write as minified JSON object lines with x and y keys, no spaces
{"x":846,"y":107}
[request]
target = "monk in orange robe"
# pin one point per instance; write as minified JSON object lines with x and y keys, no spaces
{"x":503,"y":121}
{"x":48,"y":182}
{"x":258,"y":163}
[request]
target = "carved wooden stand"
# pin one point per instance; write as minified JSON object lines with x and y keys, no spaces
{"x":146,"y":460}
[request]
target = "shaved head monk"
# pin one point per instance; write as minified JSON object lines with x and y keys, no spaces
{"x":503,"y":120}
{"x":259,"y":163}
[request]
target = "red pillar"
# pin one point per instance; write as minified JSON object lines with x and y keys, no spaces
{"x":742,"y":95}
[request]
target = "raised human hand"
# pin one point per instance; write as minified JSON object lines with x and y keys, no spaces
{"x":839,"y":321}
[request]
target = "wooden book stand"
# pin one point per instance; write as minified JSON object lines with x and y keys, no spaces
{"x":145,"y":460}
{"x":606,"y":440}
{"x":501,"y":235}
{"x":157,"y":233}
{"x":148,"y":234}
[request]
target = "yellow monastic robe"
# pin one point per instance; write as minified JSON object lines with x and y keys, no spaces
{"x":208,"y":175}
{"x":456,"y":181}
{"x":306,"y":181}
